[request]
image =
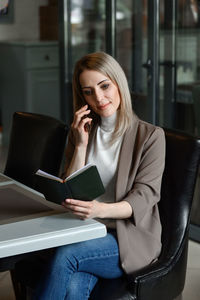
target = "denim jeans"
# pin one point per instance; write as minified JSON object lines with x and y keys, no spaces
{"x":75,"y":269}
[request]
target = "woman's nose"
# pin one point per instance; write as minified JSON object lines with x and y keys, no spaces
{"x":98,"y":95}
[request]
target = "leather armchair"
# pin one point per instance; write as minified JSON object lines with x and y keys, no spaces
{"x":165,"y":278}
{"x":36,"y":141}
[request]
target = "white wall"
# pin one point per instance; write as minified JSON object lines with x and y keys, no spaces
{"x":26,"y":21}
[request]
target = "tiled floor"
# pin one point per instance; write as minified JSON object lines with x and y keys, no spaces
{"x":192,"y":285}
{"x":6,"y":291}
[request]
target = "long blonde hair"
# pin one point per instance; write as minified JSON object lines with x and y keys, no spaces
{"x":107,"y":65}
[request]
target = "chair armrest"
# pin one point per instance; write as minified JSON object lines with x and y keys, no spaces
{"x":150,"y":282}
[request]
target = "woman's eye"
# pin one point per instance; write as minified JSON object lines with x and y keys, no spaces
{"x":105,"y":86}
{"x":87,"y":93}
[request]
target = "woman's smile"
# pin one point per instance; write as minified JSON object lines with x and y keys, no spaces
{"x":104,"y":106}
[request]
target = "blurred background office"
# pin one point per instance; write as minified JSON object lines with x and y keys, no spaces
{"x":156,"y":42}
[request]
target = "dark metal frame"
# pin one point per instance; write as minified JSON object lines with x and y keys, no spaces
{"x":170,"y":64}
{"x":153,"y":59}
{"x":65,"y":51}
{"x":111,"y":27}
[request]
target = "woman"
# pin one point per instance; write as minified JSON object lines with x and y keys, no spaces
{"x":129,"y":154}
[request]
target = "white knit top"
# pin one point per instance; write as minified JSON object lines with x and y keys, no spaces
{"x":105,"y":156}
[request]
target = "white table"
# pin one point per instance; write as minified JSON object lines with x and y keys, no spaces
{"x":37,"y":224}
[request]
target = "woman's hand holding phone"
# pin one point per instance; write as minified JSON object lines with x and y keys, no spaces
{"x":80,"y":126}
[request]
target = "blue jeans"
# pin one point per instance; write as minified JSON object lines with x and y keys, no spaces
{"x":75,"y":269}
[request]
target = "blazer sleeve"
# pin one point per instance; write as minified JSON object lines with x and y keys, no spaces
{"x":146,"y":183}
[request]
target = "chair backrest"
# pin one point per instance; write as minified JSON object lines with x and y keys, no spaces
{"x":36,"y":141}
{"x":178,"y":184}
{"x":165,"y":278}
{"x":196,"y":100}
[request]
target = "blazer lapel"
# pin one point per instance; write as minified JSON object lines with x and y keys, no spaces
{"x":125,"y":159}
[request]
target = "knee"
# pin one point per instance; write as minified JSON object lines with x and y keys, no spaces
{"x":64,"y":256}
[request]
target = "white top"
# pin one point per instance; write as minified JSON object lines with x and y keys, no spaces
{"x":106,"y":156}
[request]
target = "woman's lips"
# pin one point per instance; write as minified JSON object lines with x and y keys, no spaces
{"x":102,"y":107}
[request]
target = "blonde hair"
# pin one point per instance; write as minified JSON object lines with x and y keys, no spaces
{"x":107,"y":65}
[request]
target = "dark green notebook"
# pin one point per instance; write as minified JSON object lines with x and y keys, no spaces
{"x":84,"y":184}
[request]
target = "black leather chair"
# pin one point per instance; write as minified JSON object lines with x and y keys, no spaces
{"x":165,"y":278}
{"x":36,"y":141}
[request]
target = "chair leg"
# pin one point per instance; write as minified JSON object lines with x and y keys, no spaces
{"x":19,"y":290}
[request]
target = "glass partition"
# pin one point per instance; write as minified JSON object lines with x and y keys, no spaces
{"x":136,"y":51}
{"x":180,"y":77}
{"x":121,"y":28}
{"x":82,"y":30}
{"x":188,"y":77}
{"x":87,"y":22}
{"x":179,"y":64}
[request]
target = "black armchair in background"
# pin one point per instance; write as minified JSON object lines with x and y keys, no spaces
{"x":36,"y":141}
{"x":165,"y":278}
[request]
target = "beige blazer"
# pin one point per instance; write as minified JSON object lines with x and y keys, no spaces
{"x":140,"y":169}
{"x":141,"y":166}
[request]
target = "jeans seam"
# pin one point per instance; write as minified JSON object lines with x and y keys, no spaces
{"x":99,"y":256}
{"x":88,"y":288}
